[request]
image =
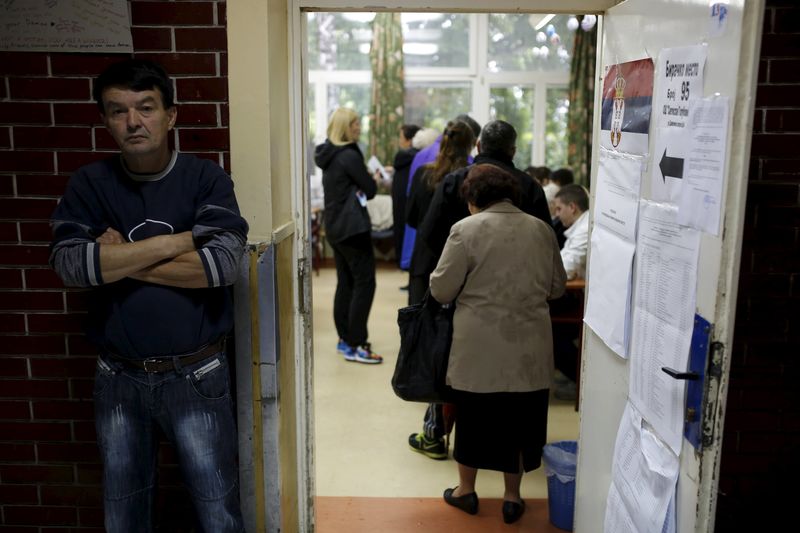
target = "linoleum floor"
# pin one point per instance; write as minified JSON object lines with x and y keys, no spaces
{"x":364,"y":467}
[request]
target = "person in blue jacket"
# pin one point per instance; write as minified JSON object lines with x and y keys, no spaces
{"x":157,"y":237}
{"x":425,"y":156}
{"x":347,"y":186}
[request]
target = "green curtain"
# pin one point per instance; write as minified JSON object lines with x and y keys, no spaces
{"x":581,"y":104}
{"x":386,"y":107}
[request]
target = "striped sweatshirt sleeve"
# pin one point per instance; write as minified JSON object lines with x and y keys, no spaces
{"x":220,"y":232}
{"x":74,"y":254}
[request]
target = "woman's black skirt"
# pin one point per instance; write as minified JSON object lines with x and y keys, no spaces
{"x":493,"y":430}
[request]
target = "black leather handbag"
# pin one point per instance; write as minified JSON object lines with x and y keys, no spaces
{"x":426,"y":332}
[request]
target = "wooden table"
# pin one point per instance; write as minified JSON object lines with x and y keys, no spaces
{"x":574,"y":315}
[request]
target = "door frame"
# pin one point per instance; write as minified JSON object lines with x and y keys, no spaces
{"x":257,"y":105}
{"x":298,"y":86}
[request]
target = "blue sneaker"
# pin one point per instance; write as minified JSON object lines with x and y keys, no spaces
{"x":348,"y":352}
{"x":341,"y":347}
{"x":364,"y":354}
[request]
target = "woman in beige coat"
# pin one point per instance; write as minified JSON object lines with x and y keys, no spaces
{"x":500,"y":266}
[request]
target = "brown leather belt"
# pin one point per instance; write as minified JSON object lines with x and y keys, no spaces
{"x":154,"y":365}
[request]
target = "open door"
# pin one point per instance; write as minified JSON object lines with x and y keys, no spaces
{"x":730,"y":33}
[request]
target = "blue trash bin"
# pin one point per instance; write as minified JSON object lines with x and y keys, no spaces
{"x":560,"y":461}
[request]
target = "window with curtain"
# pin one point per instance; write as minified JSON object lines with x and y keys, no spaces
{"x":523,"y":80}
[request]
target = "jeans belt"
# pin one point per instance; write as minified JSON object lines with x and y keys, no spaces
{"x":154,"y":365}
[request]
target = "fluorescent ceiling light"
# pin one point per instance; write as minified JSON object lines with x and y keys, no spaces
{"x":419,"y":17}
{"x":420,"y":49}
{"x":359,"y":17}
{"x":542,"y":23}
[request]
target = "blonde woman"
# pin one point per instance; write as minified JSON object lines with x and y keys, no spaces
{"x":347,"y":186}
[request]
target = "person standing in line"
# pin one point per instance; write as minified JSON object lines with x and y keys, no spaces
{"x":347,"y":186}
{"x":157,"y":237}
{"x":496,"y":146}
{"x":500,"y":266}
{"x":457,"y":143}
{"x":425,"y":156}
{"x":401,"y":165}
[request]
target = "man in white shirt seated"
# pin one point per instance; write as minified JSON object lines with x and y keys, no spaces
{"x":572,"y":208}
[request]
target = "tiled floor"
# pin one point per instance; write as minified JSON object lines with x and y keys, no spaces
{"x":423,"y":515}
{"x":365,"y":470}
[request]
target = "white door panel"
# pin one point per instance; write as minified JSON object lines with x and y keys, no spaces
{"x":633,"y":30}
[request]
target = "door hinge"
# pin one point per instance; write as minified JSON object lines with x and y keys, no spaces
{"x":302,"y":281}
{"x":714,"y":374}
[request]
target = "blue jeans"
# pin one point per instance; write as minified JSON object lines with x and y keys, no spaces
{"x":193,"y":407}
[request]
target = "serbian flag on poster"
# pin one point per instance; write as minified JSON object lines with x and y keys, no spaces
{"x":627,"y":102}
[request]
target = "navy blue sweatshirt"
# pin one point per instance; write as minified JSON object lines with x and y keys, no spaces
{"x":137,"y":319}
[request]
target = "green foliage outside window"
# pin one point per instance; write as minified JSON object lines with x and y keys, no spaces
{"x":340,"y":41}
{"x":555,"y":154}
{"x":334,"y":41}
{"x":448,"y":32}
{"x":355,"y":96}
{"x":431,"y":105}
{"x":515,"y":105}
{"x":513,"y":44}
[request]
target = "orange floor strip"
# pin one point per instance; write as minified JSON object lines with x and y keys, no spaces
{"x":423,"y":515}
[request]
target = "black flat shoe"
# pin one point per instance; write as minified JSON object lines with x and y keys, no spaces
{"x":512,"y":511}
{"x":467,"y":503}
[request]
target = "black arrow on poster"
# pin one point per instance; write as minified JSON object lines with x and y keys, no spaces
{"x":671,"y":166}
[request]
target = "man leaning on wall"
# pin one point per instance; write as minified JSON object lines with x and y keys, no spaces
{"x":157,"y":237}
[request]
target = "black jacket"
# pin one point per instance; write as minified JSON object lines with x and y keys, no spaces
{"x":419,"y":201}
{"x":402,"y":164}
{"x":447,"y":207}
{"x":343,"y":175}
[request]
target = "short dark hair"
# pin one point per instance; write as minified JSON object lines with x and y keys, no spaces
{"x":498,"y":137}
{"x":487,"y":184}
{"x":563,"y":176}
{"x":136,"y":75}
{"x":538,"y":173}
{"x":473,"y":125}
{"x":409,"y":130}
{"x":574,"y":194}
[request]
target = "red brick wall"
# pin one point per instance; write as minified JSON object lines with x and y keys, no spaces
{"x":49,"y":126}
{"x":760,"y":466}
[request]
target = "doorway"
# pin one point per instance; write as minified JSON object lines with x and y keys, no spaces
{"x":361,"y":428}
{"x":669,"y":23}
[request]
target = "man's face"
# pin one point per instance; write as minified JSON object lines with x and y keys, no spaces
{"x":138,"y":122}
{"x":567,"y":213}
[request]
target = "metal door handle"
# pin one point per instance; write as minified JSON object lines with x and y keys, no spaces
{"x":676,"y":374}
